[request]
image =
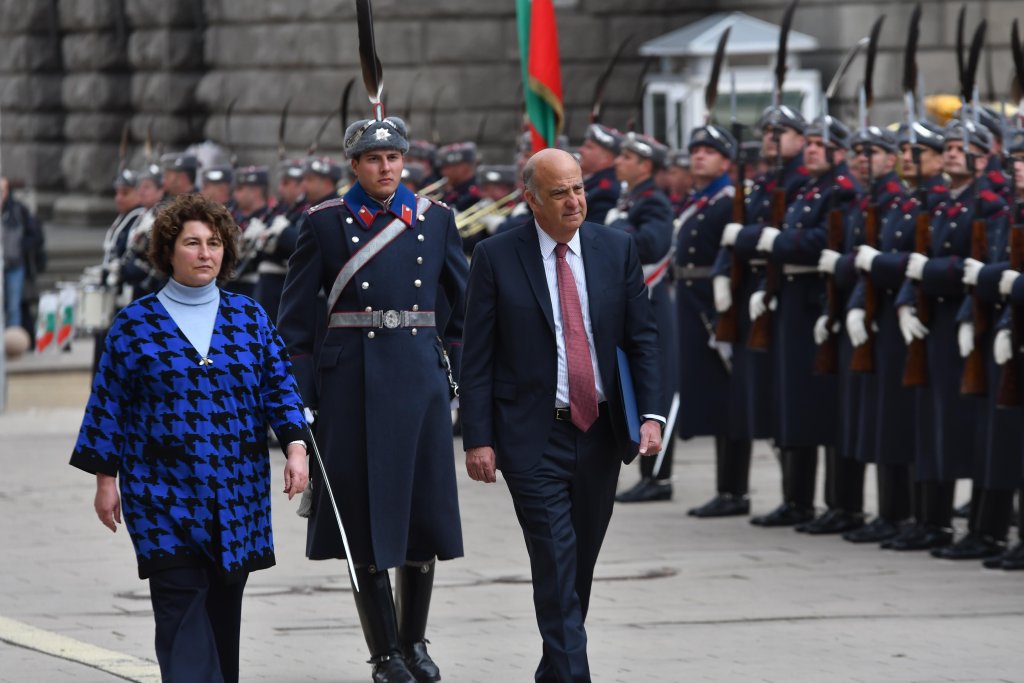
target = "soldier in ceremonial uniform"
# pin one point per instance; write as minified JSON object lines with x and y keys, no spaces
{"x":750,"y":398}
{"x":422,"y":157}
{"x":137,"y":274}
{"x":806,"y":415}
{"x":886,"y":407}
{"x":291,"y":197}
{"x":252,"y":185}
{"x":458,"y":166}
{"x":679,"y":179}
{"x":380,"y":388}
{"x":946,"y":424}
{"x":597,"y":161}
{"x":705,"y":363}
{"x":497,"y":183}
{"x":217,"y":182}
{"x":645,"y":213}
{"x":320,"y":179}
{"x":179,"y":173}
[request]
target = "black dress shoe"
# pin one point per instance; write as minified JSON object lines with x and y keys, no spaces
{"x":787,"y":514}
{"x":921,"y":538}
{"x":419,"y":663}
{"x":391,"y":668}
{"x":645,"y":491}
{"x":722,"y":505}
{"x":1013,"y":559}
{"x":834,"y":522}
{"x":973,"y":546}
{"x":876,"y":531}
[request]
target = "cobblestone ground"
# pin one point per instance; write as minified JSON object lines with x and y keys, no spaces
{"x":676,"y":599}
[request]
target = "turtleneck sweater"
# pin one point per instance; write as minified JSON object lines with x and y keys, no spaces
{"x":193,"y":310}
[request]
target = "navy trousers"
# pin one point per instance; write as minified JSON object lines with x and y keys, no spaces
{"x":564,"y":504}
{"x":198,"y":617}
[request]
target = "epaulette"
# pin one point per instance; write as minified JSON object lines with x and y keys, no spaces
{"x":996,"y":177}
{"x":802,"y":170}
{"x":438,"y":202}
{"x":604,"y":184}
{"x":892,"y":187}
{"x":989,"y":196}
{"x":325,"y":205}
{"x":844,"y":182}
{"x":938,"y":189}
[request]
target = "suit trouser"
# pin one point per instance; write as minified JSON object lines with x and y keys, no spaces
{"x":198,"y":617}
{"x":564,"y":504}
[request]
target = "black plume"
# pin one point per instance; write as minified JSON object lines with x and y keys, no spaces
{"x":971,"y":72}
{"x":373,"y":72}
{"x":602,"y":81}
{"x":910,"y":54}
{"x":711,"y":90}
{"x":1018,"y":60}
{"x":869,"y":63}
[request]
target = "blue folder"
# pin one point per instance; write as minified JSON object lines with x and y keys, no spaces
{"x":628,"y":392}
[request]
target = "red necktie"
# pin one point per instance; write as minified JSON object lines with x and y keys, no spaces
{"x":582,"y":389}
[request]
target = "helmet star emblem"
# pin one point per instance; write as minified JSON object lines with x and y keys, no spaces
{"x":383,"y":134}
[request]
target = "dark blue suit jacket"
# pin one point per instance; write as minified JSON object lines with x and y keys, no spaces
{"x":510,"y":361}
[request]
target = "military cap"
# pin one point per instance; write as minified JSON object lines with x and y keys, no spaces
{"x":179,"y":161}
{"x":457,"y":153}
{"x":874,"y":136}
{"x":421,"y":149}
{"x":126,"y":178}
{"x":369,"y":135}
{"x":291,"y":168}
{"x":1015,"y":140}
{"x":606,"y":137}
{"x":925,"y":132}
{"x":647,"y":147}
{"x":324,"y":166}
{"x":218,"y":174}
{"x":714,"y":137}
{"x":958,"y":130}
{"x":413,"y":174}
{"x":986,"y":117}
{"x":783,"y":115}
{"x":680,"y":158}
{"x":152,"y":171}
{"x":496,"y":175}
{"x":253,"y":175}
{"x":838,"y":133}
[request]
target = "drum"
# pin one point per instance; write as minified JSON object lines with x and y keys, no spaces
{"x":96,"y":307}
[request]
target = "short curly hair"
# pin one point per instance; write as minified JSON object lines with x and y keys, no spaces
{"x":193,"y":207}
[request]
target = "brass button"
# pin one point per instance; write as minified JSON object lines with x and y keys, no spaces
{"x":366,"y":285}
{"x":413,"y":331}
{"x":355,"y":239}
{"x":419,"y":260}
{"x":416,"y":283}
{"x":371,"y":334}
{"x":349,"y":219}
{"x":420,"y":237}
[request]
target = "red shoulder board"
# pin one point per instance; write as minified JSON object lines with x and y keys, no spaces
{"x":997,"y":177}
{"x":941,"y":189}
{"x":325,"y":205}
{"x":802,"y":170}
{"x":605,"y":184}
{"x":474,"y":190}
{"x":908,"y":205}
{"x":844,"y":182}
{"x":893,"y":187}
{"x":989,"y":196}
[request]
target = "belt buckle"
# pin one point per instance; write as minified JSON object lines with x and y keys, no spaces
{"x":562,"y":415}
{"x":391,"y":319}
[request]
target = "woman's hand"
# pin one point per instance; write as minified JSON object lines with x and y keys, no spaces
{"x":296,"y":471}
{"x":108,"y":501}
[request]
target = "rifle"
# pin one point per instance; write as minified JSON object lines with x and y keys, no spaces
{"x":761,"y":329}
{"x":726,"y":326}
{"x":826,"y":360}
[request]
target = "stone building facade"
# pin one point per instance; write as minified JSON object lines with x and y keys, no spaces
{"x":74,"y":73}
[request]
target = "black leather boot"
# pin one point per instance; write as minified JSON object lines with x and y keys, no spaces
{"x":415,"y":584}
{"x":798,"y":471}
{"x":376,"y":606}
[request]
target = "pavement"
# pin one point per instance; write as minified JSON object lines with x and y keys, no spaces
{"x":676,"y":599}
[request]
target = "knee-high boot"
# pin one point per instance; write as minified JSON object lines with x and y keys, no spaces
{"x":376,"y":606}
{"x":415,"y":583}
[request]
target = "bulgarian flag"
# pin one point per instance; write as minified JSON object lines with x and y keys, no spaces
{"x":542,"y":74}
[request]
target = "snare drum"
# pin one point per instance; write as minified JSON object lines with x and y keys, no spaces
{"x":96,"y":306}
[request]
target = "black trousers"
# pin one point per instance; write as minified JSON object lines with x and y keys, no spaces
{"x":564,"y":504}
{"x":198,"y":617}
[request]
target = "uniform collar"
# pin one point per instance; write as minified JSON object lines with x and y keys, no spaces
{"x":714,"y":187}
{"x":643,"y":186}
{"x":366,"y":210}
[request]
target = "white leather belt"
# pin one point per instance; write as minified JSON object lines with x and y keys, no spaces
{"x":389,"y":319}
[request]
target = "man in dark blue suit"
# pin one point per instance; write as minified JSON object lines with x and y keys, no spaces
{"x":547,"y":305}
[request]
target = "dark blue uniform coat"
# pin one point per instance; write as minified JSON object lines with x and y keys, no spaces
{"x":384,"y":423}
{"x":602,"y":189}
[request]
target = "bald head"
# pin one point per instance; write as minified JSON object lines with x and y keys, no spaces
{"x":553,"y":185}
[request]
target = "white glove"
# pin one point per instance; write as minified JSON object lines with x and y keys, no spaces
{"x":855,"y":326}
{"x":767,"y":239}
{"x":723,"y":349}
{"x":729,"y":234}
{"x":614,"y":214}
{"x":915,"y":265}
{"x":821,"y":330}
{"x":722,"y":288}
{"x":971,"y":269}
{"x":910,"y":326}
{"x":827,"y":261}
{"x":1003,"y":347}
{"x":1006,"y":281}
{"x":757,"y":305}
{"x":965,"y":339}
{"x":865,"y":256}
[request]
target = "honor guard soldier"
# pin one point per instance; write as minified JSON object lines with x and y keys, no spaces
{"x":645,"y":213}
{"x":138,"y":276}
{"x":946,"y":418}
{"x":179,"y":173}
{"x":251,"y":192}
{"x":993,"y":124}
{"x":320,"y":179}
{"x":498,"y":192}
{"x":291,"y":196}
{"x":413,"y":178}
{"x":806,"y":403}
{"x":597,"y":161}
{"x":750,"y":399}
{"x":703,"y":361}
{"x":461,"y":191}
{"x":422,"y":156}
{"x":679,"y":179}
{"x":886,"y":407}
{"x":380,"y":386}
{"x":217,"y":186}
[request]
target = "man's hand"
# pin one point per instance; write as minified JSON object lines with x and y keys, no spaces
{"x":722,"y":289}
{"x":296,"y":470}
{"x":480,"y":463}
{"x":767,"y":239}
{"x":911,"y":326}
{"x":827,"y":261}
{"x":971,"y":269}
{"x":729,"y":234}
{"x":650,"y":437}
{"x":915,"y":265}
{"x":108,"y":501}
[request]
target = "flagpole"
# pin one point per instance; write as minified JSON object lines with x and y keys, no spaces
{"x":3,"y":299}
